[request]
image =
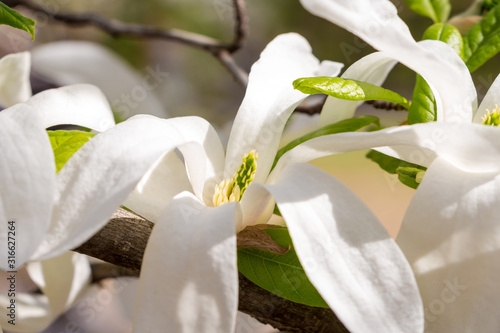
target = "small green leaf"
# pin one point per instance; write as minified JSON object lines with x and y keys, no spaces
{"x":410,"y":175}
{"x":66,"y":143}
{"x":407,"y":172}
{"x":281,"y":275}
{"x":448,"y":34}
{"x":482,"y":41}
{"x":386,"y":162}
{"x":423,"y":107}
{"x":436,"y":10}
{"x":12,"y":18}
{"x":487,"y":5}
{"x":346,"y":125}
{"x":351,"y":90}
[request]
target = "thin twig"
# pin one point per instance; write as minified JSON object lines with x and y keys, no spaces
{"x":123,"y":240}
{"x":241,"y":26}
{"x":116,"y":28}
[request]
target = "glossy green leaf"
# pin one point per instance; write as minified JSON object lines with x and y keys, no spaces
{"x":66,"y":143}
{"x":406,"y":172}
{"x":482,"y":41}
{"x":351,"y":90}
{"x":14,"y":19}
{"x":346,"y":125}
{"x":423,"y":107}
{"x":281,"y":275}
{"x":436,"y":10}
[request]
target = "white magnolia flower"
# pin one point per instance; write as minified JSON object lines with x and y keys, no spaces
{"x":450,"y":232}
{"x":189,"y":274}
{"x":28,"y":180}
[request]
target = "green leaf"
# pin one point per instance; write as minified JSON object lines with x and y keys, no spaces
{"x":482,"y":41}
{"x":346,"y":125}
{"x":281,"y":275}
{"x":66,"y":143}
{"x":12,"y":18}
{"x":436,"y":10}
{"x":448,"y":34}
{"x":350,"y":90}
{"x":423,"y":107}
{"x":409,"y":175}
{"x":407,"y":172}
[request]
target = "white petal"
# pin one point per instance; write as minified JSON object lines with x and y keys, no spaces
{"x":347,"y":254}
{"x":80,"y":104}
{"x":27,"y":180}
{"x":71,"y":62}
{"x":450,"y":57}
{"x":490,"y":101}
{"x":163,"y":181}
{"x":329,"y":68}
{"x":15,"y":84}
{"x":32,"y":313}
{"x":99,"y":177}
{"x":257,"y":206}
{"x":62,"y":279}
{"x":377,"y":23}
{"x":451,"y":236}
{"x":189,"y":278}
{"x":198,"y":131}
{"x":469,"y":146}
{"x":270,"y":99}
{"x":373,"y":69}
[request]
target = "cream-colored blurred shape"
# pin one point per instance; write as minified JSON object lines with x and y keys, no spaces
{"x":382,"y":192}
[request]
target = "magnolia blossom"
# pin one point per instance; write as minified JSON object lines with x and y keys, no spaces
{"x":449,"y":234}
{"x":28,"y":182}
{"x":189,"y":275}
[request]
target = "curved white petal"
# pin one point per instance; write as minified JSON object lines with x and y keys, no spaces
{"x":257,"y":206}
{"x":451,"y":236}
{"x":189,"y":278}
{"x":99,"y":177}
{"x":373,"y":69}
{"x":449,"y":56}
{"x":347,"y":253}
{"x":329,"y":68}
{"x":200,"y":132}
{"x":72,"y":62}
{"x":377,"y":23}
{"x":490,"y":101}
{"x":15,"y":84}
{"x":163,"y":181}
{"x":27,"y":182}
{"x":62,"y":279}
{"x":270,"y":99}
{"x":32,"y":313}
{"x":79,"y":104}
{"x":468,"y":146}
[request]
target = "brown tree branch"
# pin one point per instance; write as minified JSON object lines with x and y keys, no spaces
{"x":115,"y":28}
{"x":123,"y":240}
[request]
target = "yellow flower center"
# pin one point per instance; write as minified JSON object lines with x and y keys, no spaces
{"x":232,"y":189}
{"x":492,"y":118}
